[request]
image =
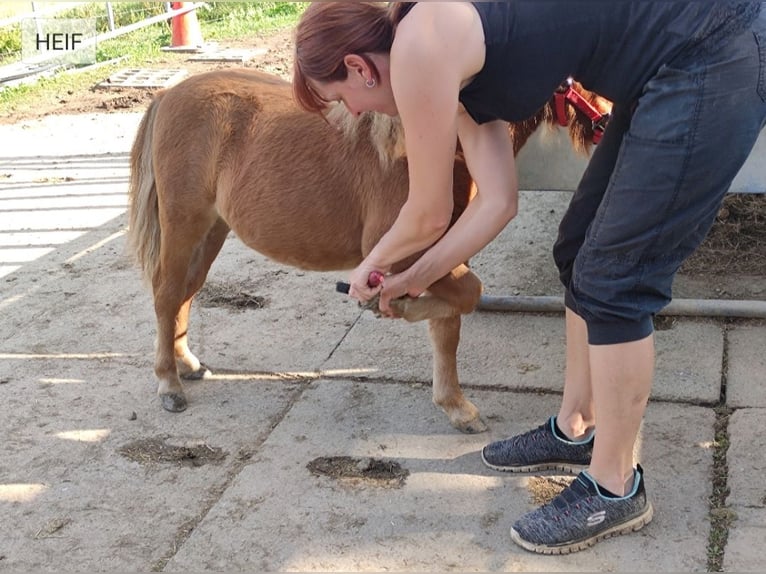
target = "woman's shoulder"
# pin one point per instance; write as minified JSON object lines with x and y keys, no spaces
{"x":442,"y":25}
{"x":444,"y":17}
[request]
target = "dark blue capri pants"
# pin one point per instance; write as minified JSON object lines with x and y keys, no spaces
{"x":655,"y":183}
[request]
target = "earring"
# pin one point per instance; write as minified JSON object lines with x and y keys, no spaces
{"x":370,"y":83}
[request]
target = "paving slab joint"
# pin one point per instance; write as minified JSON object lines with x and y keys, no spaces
{"x":239,"y":461}
{"x":721,"y":516}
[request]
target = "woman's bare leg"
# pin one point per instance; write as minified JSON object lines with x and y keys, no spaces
{"x":621,"y":379}
{"x":577,"y":416}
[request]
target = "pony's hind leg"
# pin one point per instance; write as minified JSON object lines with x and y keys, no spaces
{"x":447,"y":394}
{"x":188,"y":365}
{"x":183,"y":269}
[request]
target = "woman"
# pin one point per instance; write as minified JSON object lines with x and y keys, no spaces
{"x":684,"y":77}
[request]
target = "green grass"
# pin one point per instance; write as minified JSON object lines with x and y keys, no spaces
{"x":10,"y":8}
{"x":219,"y":22}
{"x":237,"y":19}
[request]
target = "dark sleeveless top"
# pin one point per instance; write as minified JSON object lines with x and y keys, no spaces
{"x":611,"y":47}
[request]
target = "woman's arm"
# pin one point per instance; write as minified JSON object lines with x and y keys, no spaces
{"x":436,"y":48}
{"x":488,"y":151}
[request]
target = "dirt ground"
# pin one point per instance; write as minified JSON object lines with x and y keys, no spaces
{"x":729,"y":265}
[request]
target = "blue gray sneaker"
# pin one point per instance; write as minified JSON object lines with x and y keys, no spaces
{"x":537,"y":450}
{"x":581,"y":516}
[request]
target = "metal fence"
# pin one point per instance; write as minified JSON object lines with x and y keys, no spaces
{"x":107,"y":15}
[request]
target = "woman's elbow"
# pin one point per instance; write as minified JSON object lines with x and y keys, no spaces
{"x":434,"y":226}
{"x":512,"y":210}
{"x":508,"y":208}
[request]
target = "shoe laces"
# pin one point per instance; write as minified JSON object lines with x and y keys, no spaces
{"x":532,"y":435}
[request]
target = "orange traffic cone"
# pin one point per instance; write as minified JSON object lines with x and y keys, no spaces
{"x":186,"y":34}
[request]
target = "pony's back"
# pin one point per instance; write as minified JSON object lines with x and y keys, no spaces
{"x":303,"y":190}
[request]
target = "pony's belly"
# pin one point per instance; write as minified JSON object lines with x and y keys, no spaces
{"x":314,"y":256}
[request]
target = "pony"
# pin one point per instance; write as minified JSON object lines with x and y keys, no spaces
{"x":230,"y":150}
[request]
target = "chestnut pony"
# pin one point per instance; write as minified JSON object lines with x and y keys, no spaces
{"x":230,"y":150}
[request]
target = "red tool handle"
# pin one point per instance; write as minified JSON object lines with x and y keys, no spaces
{"x":374,"y":279}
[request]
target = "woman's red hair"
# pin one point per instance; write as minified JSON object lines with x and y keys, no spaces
{"x":328,"y":31}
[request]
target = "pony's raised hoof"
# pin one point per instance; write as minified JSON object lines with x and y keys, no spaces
{"x":173,"y":402}
{"x":202,"y":373}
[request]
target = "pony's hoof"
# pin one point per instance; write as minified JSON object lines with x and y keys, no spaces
{"x":201,"y":373}
{"x":173,"y":402}
{"x":474,"y":426}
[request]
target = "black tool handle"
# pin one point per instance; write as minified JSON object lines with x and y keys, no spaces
{"x":374,"y":280}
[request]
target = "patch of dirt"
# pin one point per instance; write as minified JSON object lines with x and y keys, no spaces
{"x":736,"y":244}
{"x":227,"y":295}
{"x":664,"y":322}
{"x":156,"y":450}
{"x":276,"y":60}
{"x":127,"y":101}
{"x":543,"y":489}
{"x":360,"y":471}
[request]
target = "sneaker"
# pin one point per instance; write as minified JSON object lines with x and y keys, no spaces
{"x":537,"y":450}
{"x":581,"y":516}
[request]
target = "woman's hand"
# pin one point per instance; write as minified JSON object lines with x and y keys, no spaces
{"x":365,"y":281}
{"x":396,"y":286}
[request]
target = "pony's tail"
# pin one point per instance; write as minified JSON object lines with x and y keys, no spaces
{"x":144,"y":235}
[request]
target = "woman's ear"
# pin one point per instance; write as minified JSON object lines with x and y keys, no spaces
{"x":355,"y":65}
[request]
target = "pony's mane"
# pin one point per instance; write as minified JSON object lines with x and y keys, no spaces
{"x":385,"y":132}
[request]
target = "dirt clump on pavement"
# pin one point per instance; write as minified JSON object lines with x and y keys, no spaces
{"x":158,"y":450}
{"x":360,"y":471}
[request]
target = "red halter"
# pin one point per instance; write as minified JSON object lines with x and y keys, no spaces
{"x":566,"y":93}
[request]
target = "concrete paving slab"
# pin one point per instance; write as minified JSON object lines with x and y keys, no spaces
{"x":746,"y":380}
{"x":526,"y":352}
{"x":519,"y":260}
{"x":379,"y":348}
{"x":451,"y":513}
{"x":228,"y":55}
{"x":54,"y":194}
{"x":302,"y":319}
{"x":744,"y":547}
{"x":74,"y":499}
{"x":69,"y":312}
{"x":77,"y":394}
{"x":746,"y":459}
{"x":143,"y":78}
{"x":58,"y":136}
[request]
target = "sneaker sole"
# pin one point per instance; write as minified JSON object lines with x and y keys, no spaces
{"x":631,"y":525}
{"x":550,"y":466}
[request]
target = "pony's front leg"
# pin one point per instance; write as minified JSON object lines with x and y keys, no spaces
{"x":455,"y":294}
{"x":447,"y":394}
